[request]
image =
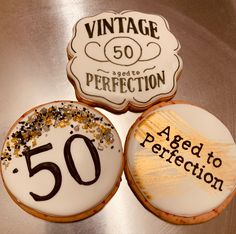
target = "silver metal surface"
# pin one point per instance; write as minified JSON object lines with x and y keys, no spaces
{"x":33,"y":39}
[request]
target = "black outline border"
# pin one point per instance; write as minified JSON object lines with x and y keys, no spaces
{"x":174,"y":84}
{"x":71,"y":62}
{"x":129,"y":105}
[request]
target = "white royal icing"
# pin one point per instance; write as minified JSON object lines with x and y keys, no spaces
{"x":124,"y":58}
{"x":72,"y":198}
{"x":167,"y":185}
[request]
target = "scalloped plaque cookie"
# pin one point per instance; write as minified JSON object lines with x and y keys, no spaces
{"x":123,"y":61}
{"x":180,"y":161}
{"x":62,"y":161}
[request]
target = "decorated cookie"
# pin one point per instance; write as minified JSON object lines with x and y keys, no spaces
{"x":122,"y":61}
{"x":180,"y":161}
{"x":62,"y":161}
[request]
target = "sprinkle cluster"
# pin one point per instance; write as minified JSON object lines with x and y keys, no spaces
{"x":58,"y":116}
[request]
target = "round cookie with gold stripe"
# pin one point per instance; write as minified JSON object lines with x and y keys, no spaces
{"x":180,"y":161}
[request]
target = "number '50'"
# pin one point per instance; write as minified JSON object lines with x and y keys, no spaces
{"x":55,"y":170}
{"x":126,"y":51}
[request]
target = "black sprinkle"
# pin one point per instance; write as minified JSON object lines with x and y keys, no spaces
{"x":15,"y":171}
{"x":72,"y":125}
{"x":71,"y":132}
{"x":112,"y":147}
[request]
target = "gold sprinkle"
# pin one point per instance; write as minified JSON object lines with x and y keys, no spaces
{"x":34,"y":142}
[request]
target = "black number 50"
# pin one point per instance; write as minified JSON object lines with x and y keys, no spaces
{"x":126,"y":51}
{"x":55,"y":170}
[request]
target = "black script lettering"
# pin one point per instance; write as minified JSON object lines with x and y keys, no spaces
{"x":89,"y":79}
{"x":200,"y":174}
{"x":186,"y":145}
{"x":122,"y":25}
{"x":186,"y":164}
{"x":105,"y":83}
{"x":129,"y":85}
{"x":166,"y":131}
{"x":155,"y":148}
{"x":194,"y":169}
{"x":175,"y":143}
{"x":209,"y":179}
{"x":164,"y":150}
{"x":161,"y":79}
{"x":210,"y":155}
{"x":172,"y":154}
{"x":146,"y":83}
{"x":108,"y":26}
{"x":90,"y":30}
{"x":220,"y":182}
{"x":196,"y":150}
{"x":179,"y":160}
{"x":153,"y":29}
{"x":149,"y":138}
{"x":152,"y":81}
{"x":196,"y":166}
{"x":97,"y":81}
{"x":217,"y":160}
{"x":122,"y":85}
{"x":143,"y":30}
{"x":139,"y":83}
{"x":115,"y":83}
{"x":99,"y":33}
{"x":131,"y":26}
